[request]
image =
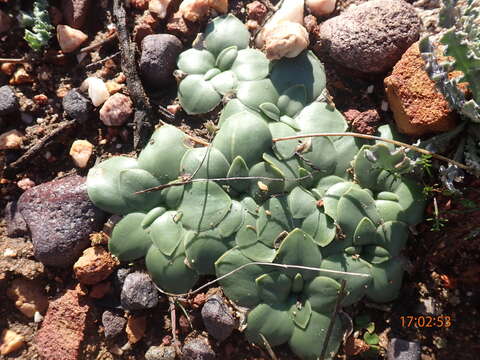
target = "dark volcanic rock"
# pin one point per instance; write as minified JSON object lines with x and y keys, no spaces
{"x":138,"y":292}
{"x":158,"y":60}
{"x":399,"y":349}
{"x":77,"y":106}
{"x":60,"y":216}
{"x":197,"y":349}
{"x":75,"y":12}
{"x":371,"y":37}
{"x":113,"y":322}
{"x":16,"y":225}
{"x":218,"y":318}
{"x":8,"y":101}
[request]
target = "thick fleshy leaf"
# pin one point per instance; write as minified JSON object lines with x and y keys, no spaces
{"x":203,"y":249}
{"x":170,"y":273}
{"x":204,"y":205}
{"x":389,"y":210}
{"x":225,"y":31}
{"x":332,"y":197}
{"x":308,"y":343}
{"x":166,"y":232}
{"x":310,"y":73}
{"x":251,"y":64}
{"x":239,"y":286}
{"x":194,"y":61}
{"x":394,"y":236}
{"x":204,"y":162}
{"x":301,"y":313}
{"x":375,"y":254}
{"x":270,"y":110}
{"x":256,"y":92}
{"x":387,"y":280}
{"x":134,"y":180}
{"x":172,"y":196}
{"x":412,"y":200}
{"x":226,"y":58}
{"x":232,"y":222}
{"x":346,"y":148}
{"x":151,"y":216}
{"x":163,"y":153}
{"x":298,"y":248}
{"x":283,"y":149}
{"x":320,"y":156}
{"x":247,"y":234}
{"x":129,"y":241}
{"x":301,"y":203}
{"x":233,"y":106}
{"x":235,"y":137}
{"x":238,"y":168}
{"x":225,"y":82}
{"x":272,"y":321}
{"x":320,"y":227}
{"x":266,"y":185}
{"x":259,"y":252}
{"x":322,"y":293}
{"x":197,"y":96}
{"x":274,"y":287}
{"x":102,"y":184}
{"x":366,"y":233}
{"x":290,"y":169}
{"x":324,"y":184}
{"x":274,"y":218}
{"x":320,"y":117}
{"x":292,"y":100}
{"x":211,"y":73}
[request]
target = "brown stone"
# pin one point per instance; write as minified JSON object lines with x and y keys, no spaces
{"x":116,"y":110}
{"x":10,"y":341}
{"x":100,"y":290}
{"x":63,"y":327}
{"x":28,"y":296}
{"x":418,"y":107}
{"x":136,"y":326}
{"x":95,"y":265}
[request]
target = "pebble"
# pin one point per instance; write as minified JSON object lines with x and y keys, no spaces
{"x":11,"y":140}
{"x":16,"y":225}
{"x":218,"y":318}
{"x":116,"y":110}
{"x":321,"y":7}
{"x":95,"y":265}
{"x":20,"y":76}
{"x":113,"y":322}
{"x":8,"y":100}
{"x":77,"y":106}
{"x":63,"y":327}
{"x":158,"y":59}
{"x":5,"y":22}
{"x":136,"y":326}
{"x":372,"y":36}
{"x":60,"y":217}
{"x":75,"y":12}
{"x":120,"y":276}
{"x":399,"y":349}
{"x":28,"y":296}
{"x":97,"y":90}
{"x":197,"y":349}
{"x":161,"y":352}
{"x":100,"y":290}
{"x":81,"y":151}
{"x":69,"y":38}
{"x":418,"y":107}
{"x":159,"y":7}
{"x":10,"y":341}
{"x":138,"y":292}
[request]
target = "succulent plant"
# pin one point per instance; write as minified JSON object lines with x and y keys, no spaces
{"x":247,"y":199}
{"x":39,"y":22}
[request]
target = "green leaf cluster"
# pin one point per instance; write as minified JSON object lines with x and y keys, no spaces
{"x":39,"y":22}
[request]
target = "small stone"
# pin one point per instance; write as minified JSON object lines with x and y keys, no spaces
{"x":95,"y":265}
{"x":418,"y":107}
{"x":158,"y":59}
{"x":8,"y":101}
{"x":116,"y":110}
{"x":366,"y":122}
{"x":69,"y":38}
{"x":5,"y":22}
{"x":75,"y":12}
{"x":20,"y":76}
{"x":136,"y":326}
{"x":159,"y":7}
{"x":77,"y":106}
{"x":28,"y":296}
{"x":197,"y":349}
{"x":218,"y":318}
{"x":8,"y":68}
{"x":321,"y":7}
{"x":257,"y":11}
{"x":37,"y":317}
{"x":120,"y":276}
{"x":60,"y":217}
{"x":97,"y":90}
{"x":10,"y":341}
{"x":100,"y":290}
{"x":63,"y":327}
{"x":140,"y":4}
{"x":161,"y":352}
{"x":81,"y":151}
{"x":11,"y":140}
{"x":113,"y":86}
{"x":138,"y":292}
{"x":372,"y":36}
{"x":399,"y":349}
{"x":113,"y":322}
{"x":16,"y":225}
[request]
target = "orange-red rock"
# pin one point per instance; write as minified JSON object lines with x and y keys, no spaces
{"x":95,"y":265}
{"x":136,"y":326}
{"x":418,"y":107}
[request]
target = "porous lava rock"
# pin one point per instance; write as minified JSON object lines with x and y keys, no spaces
{"x":218,"y":318}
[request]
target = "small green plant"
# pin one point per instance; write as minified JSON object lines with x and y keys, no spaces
{"x":282,"y":223}
{"x":39,"y":22}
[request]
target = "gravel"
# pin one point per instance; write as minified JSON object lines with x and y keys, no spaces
{"x":113,"y":322}
{"x":218,"y":318}
{"x":77,"y":106}
{"x":138,"y":292}
{"x":8,"y":100}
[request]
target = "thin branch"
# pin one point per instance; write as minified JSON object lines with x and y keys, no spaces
{"x":173,"y":320}
{"x":283,"y":266}
{"x":98,"y":44}
{"x":269,"y":347}
{"x":13,"y":61}
{"x":341,"y":295}
{"x":377,"y":138}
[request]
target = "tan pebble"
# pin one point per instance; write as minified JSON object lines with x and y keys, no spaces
{"x":8,"y":68}
{"x":81,"y":151}
{"x":62,"y":91}
{"x":174,"y":108}
{"x":116,"y":110}
{"x":135,"y":329}
{"x":159,"y":7}
{"x":11,"y":140}
{"x":97,"y":90}
{"x":25,"y":184}
{"x":10,"y":341}
{"x":20,"y":77}
{"x":95,"y":265}
{"x":28,"y":296}
{"x":121,"y":78}
{"x":321,"y":7}
{"x":113,"y":87}
{"x":69,"y":38}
